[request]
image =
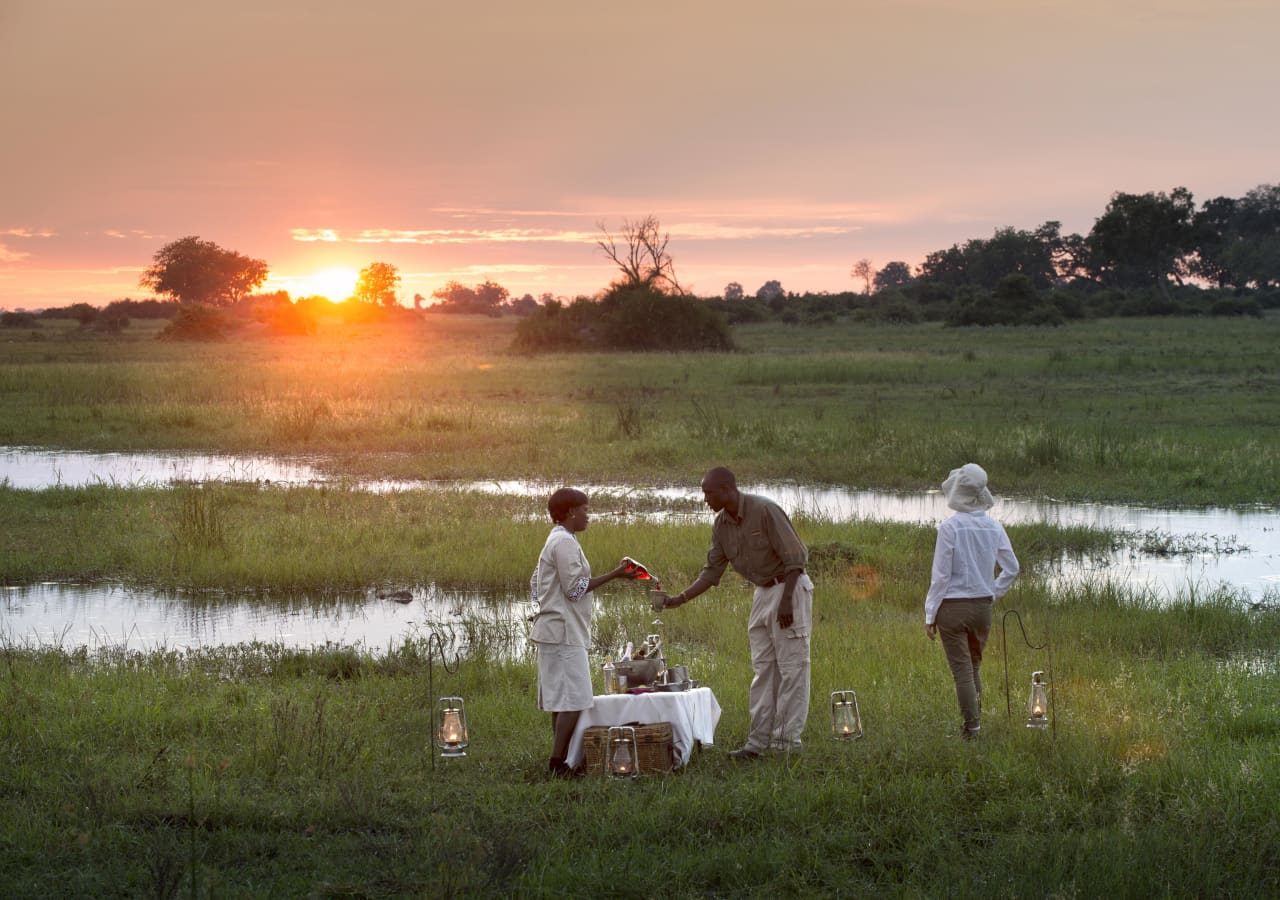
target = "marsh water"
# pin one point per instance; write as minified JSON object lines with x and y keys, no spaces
{"x":1167,"y":552}
{"x":102,"y":616}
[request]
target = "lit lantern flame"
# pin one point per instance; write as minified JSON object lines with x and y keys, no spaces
{"x":846,"y":720}
{"x":451,"y":730}
{"x":623,"y":752}
{"x":622,"y":760}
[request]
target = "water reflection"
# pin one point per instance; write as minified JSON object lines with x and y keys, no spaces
{"x":1171,"y":551}
{"x":112,"y":616}
{"x":1251,"y":663}
{"x":36,"y":469}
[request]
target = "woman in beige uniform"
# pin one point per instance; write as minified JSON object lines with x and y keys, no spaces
{"x":561,"y":589}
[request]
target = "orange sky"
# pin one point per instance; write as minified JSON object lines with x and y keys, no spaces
{"x":472,"y":141}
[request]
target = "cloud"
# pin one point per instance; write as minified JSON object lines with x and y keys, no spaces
{"x":8,"y":256}
{"x":28,"y":232}
{"x":684,"y":231}
{"x":131,"y":233}
{"x":443,"y":236}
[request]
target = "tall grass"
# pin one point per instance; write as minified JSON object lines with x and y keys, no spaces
{"x":326,"y":540}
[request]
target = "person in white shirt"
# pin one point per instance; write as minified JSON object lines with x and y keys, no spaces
{"x":964,"y":584}
{"x":561,"y":588}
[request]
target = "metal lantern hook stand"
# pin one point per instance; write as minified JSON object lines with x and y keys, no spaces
{"x":436,"y":641}
{"x":1046,"y":646}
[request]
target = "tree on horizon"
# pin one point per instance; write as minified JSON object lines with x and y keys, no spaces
{"x":377,"y":284}
{"x":193,"y":271}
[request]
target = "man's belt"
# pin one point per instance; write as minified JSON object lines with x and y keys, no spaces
{"x":777,"y":579}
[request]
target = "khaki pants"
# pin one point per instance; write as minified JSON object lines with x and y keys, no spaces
{"x":964,"y":626}
{"x":779,"y":699}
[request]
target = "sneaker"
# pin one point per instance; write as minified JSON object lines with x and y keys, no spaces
{"x":970,"y":734}
{"x":744,"y":754}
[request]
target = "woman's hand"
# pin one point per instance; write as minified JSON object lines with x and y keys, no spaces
{"x":931,"y":631}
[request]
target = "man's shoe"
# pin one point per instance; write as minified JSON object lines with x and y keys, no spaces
{"x":745,"y":754}
{"x":970,"y":734}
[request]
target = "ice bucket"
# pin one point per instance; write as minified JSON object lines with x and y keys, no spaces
{"x":639,"y":672}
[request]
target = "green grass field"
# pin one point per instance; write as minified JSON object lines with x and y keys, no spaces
{"x":258,"y":772}
{"x":253,"y":771}
{"x":1161,"y":411}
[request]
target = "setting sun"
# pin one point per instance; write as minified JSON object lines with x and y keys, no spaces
{"x":337,"y":284}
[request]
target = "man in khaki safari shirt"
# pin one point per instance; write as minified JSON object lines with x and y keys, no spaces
{"x":753,"y":534}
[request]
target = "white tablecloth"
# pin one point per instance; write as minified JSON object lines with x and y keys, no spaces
{"x":693,"y":716}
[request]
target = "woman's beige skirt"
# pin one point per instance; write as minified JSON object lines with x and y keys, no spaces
{"x":564,"y":678}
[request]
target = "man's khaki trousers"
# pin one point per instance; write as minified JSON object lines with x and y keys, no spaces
{"x":779,"y":697}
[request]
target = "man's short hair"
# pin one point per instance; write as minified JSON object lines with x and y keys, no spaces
{"x":720,"y":475}
{"x":562,"y":501}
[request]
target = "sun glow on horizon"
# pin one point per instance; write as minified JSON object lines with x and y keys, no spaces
{"x":337,"y":284}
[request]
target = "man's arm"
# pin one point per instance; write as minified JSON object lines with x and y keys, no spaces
{"x":791,"y":550}
{"x":662,"y":600}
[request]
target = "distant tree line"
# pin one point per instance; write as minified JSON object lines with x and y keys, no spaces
{"x":1150,"y":254}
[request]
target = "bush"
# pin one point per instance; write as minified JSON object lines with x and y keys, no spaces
{"x":353,"y":312}
{"x":1015,"y":301}
{"x":1070,"y":305}
{"x":111,"y":321}
{"x":1044,"y":314}
{"x":1236,"y":306}
{"x":891,"y":306}
{"x":291,"y":320}
{"x":83,"y":313}
{"x":745,"y":310}
{"x":198,"y":323}
{"x":1148,"y":303}
{"x":19,"y":320}
{"x":632,"y":318}
{"x":142,"y":309}
{"x":1105,"y":302}
{"x":972,"y":306}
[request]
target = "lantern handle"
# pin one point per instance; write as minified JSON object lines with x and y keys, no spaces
{"x":1004,"y":645}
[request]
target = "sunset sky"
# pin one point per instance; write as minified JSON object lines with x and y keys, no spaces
{"x":487,"y":140}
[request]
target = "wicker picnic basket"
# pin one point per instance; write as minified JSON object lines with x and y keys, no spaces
{"x":656,"y":752}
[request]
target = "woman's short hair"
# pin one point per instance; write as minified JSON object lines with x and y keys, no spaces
{"x":562,"y":501}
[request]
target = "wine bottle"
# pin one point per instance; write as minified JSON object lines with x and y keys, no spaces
{"x":639,"y":571}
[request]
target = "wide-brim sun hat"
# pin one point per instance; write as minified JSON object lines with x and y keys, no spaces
{"x":966,"y":489}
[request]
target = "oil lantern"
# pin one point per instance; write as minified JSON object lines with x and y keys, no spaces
{"x":451,"y":727}
{"x":846,"y":721}
{"x":623,"y":754}
{"x":1038,"y":702}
